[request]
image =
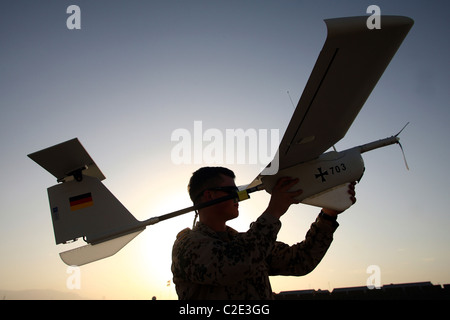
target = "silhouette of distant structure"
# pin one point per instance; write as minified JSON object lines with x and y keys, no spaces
{"x":402,"y":291}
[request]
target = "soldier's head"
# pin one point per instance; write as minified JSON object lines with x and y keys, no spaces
{"x":210,"y":183}
{"x":207,"y":178}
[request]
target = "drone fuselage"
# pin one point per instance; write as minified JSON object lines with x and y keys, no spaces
{"x":330,"y":170}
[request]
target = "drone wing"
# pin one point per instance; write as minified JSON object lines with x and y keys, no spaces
{"x":349,"y":66}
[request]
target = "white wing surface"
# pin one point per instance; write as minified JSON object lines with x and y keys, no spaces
{"x":349,"y":66}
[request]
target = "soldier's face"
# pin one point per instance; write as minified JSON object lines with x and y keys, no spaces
{"x":226,"y":210}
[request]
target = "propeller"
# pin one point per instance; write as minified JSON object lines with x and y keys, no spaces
{"x":401,"y":147}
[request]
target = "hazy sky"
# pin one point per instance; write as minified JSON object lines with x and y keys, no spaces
{"x":137,"y":71}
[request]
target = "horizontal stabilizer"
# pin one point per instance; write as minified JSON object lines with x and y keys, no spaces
{"x":90,"y":253}
{"x":65,"y":159}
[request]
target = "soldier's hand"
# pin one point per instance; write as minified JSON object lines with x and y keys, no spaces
{"x":282,"y":198}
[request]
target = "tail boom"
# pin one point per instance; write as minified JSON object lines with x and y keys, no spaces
{"x":378,"y":144}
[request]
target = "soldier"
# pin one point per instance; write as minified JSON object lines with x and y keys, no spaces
{"x":213,"y":261}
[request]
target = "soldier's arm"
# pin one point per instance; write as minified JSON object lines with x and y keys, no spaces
{"x":303,"y":257}
{"x":206,"y":260}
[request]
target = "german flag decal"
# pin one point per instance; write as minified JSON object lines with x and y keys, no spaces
{"x":81,"y":201}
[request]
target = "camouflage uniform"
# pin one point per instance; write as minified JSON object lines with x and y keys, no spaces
{"x":231,"y":265}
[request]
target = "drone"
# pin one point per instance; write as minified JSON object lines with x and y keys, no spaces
{"x":347,"y":70}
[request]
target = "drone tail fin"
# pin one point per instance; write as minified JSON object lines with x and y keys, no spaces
{"x":82,"y":207}
{"x":87,"y":209}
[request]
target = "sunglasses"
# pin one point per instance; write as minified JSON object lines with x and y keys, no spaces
{"x":227,"y":190}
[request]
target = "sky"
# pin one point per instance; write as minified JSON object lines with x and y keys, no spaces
{"x":138,"y":71}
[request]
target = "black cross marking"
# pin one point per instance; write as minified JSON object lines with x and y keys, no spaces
{"x":321,"y":174}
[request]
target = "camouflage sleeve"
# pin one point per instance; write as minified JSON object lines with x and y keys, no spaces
{"x":209,"y":260}
{"x":303,"y":257}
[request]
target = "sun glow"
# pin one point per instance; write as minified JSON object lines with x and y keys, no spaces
{"x":153,"y":251}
